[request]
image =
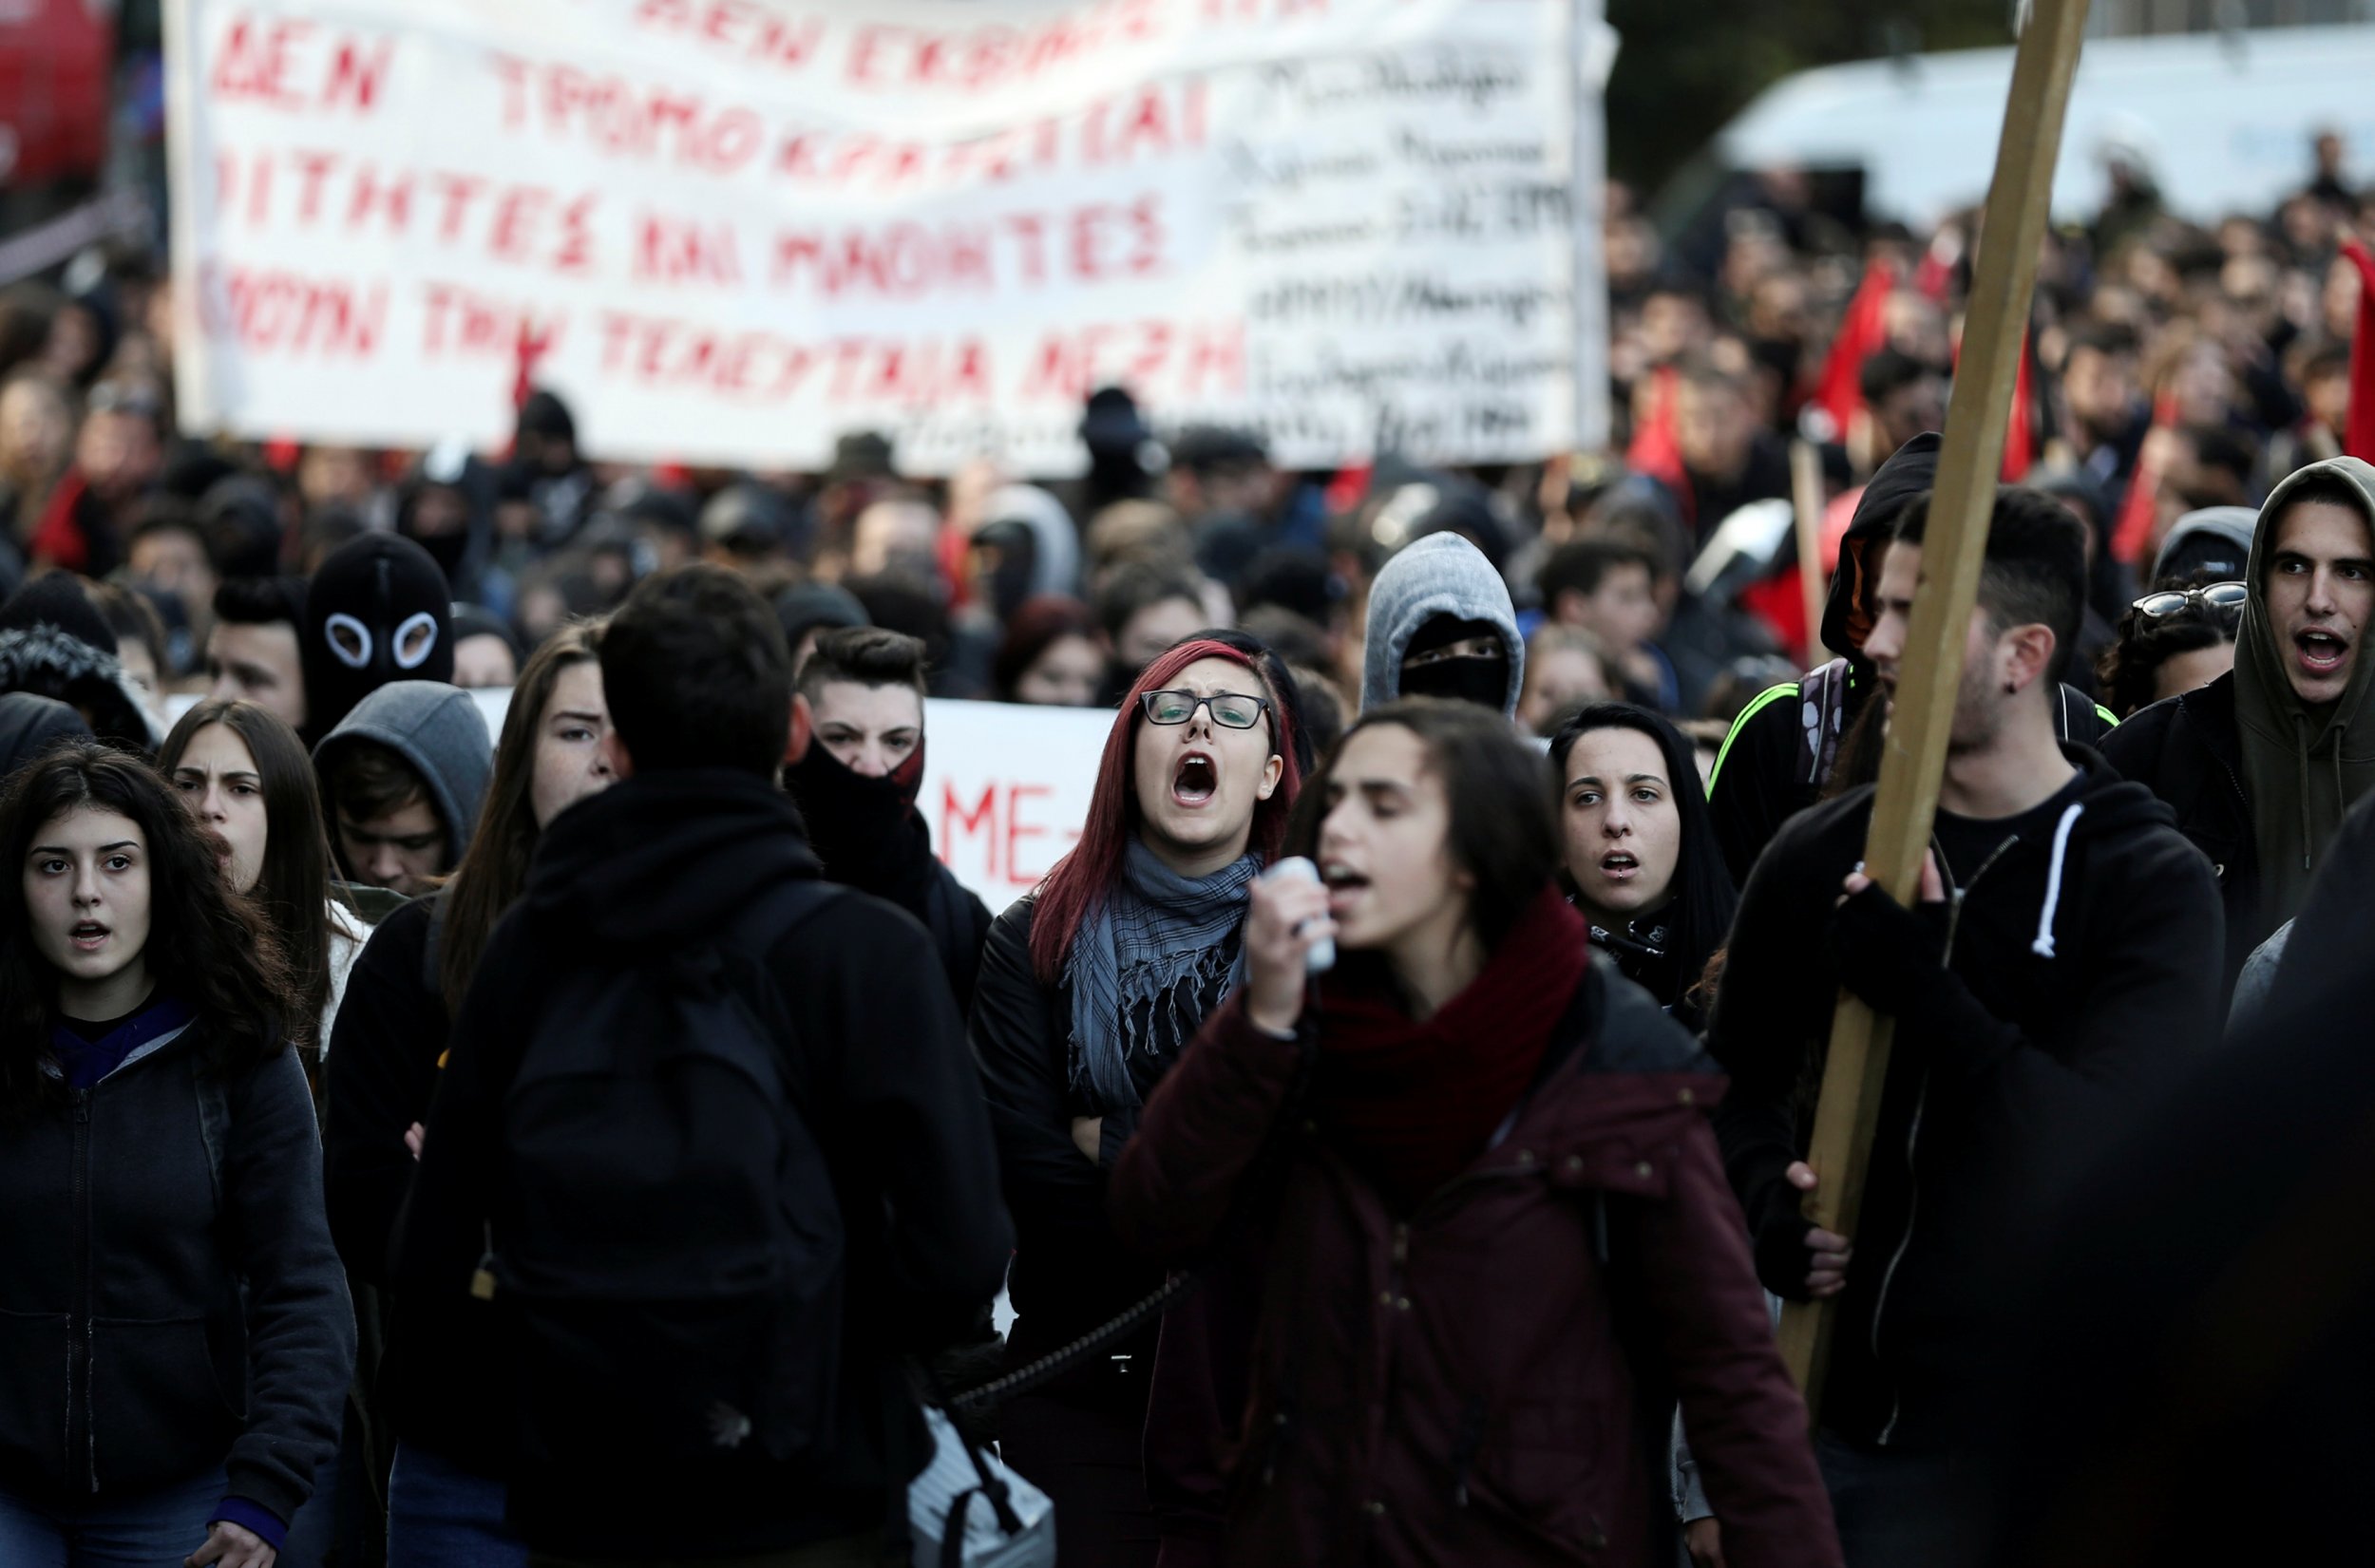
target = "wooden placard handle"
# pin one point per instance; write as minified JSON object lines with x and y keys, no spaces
{"x":1954,"y":550}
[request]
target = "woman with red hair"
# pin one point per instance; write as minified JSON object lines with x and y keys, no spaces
{"x":1090,"y":989}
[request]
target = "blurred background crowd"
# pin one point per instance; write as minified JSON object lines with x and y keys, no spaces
{"x":2174,"y":365}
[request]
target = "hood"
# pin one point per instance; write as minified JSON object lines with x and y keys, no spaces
{"x":29,"y":725}
{"x":438,"y":729}
{"x":1847,"y":619}
{"x":1056,"y":559}
{"x":2217,"y":538}
{"x":1441,"y":575}
{"x":2302,"y":769}
{"x":666,"y":856}
{"x":47,"y":662}
{"x":378,"y":611}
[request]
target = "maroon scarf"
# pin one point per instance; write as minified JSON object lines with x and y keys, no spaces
{"x":1410,"y":1104}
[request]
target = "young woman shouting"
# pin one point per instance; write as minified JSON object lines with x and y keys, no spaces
{"x":1501,"y":1243}
{"x":174,"y":1335}
{"x":1088,"y":990}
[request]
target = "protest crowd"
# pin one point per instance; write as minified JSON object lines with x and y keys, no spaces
{"x":599,"y":1138}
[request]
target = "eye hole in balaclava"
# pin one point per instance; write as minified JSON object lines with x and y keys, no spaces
{"x":349,"y":639}
{"x":416,"y":640}
{"x":1464,"y":660}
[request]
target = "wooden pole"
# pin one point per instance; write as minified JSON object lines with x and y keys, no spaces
{"x":1806,"y":497}
{"x":1954,"y":547}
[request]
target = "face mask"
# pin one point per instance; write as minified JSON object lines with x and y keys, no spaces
{"x":378,"y":611}
{"x":864,"y":829}
{"x":1484,"y":682}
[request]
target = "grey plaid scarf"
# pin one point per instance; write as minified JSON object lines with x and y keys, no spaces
{"x":1143,"y":962}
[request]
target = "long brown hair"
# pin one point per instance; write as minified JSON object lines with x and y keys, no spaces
{"x":293,"y":885}
{"x":494,"y":872}
{"x":208,"y":946}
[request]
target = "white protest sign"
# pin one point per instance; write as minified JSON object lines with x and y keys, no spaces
{"x":1006,"y":788}
{"x":728,"y":231}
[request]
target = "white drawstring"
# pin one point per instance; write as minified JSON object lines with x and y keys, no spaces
{"x":2042,"y":947}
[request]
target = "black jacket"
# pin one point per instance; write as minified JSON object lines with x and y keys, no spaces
{"x":169,"y":1295}
{"x":1071,"y":1272}
{"x":377,"y":1080}
{"x":2212,"y":1335}
{"x":437,"y":1381}
{"x":2186,"y":751}
{"x":2086,"y":978}
{"x":639,"y":869}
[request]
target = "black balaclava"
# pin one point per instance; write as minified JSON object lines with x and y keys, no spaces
{"x":1482,"y":681}
{"x":378,"y":611}
{"x":867,"y":831}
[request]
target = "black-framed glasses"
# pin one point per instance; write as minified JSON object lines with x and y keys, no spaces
{"x":1229,"y":710}
{"x":2223,"y":599}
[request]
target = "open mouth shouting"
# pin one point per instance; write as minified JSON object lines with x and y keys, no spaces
{"x":88,"y":936}
{"x":1195,"y":779}
{"x":2322,"y":654}
{"x":1620,"y":865}
{"x":1344,"y":885}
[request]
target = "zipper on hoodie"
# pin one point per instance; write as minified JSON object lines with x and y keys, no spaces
{"x":79,"y":1344}
{"x":1464,"y":1446}
{"x":1955,"y":896}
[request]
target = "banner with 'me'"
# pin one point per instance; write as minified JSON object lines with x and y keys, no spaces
{"x":728,"y":231}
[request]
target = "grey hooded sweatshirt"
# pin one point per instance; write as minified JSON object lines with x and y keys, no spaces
{"x":439,"y":730}
{"x":1439,"y":575}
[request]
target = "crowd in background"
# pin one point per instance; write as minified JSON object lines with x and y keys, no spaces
{"x":2175,"y":367}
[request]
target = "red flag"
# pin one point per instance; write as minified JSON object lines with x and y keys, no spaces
{"x":2358,"y":432}
{"x":2020,"y":434}
{"x":2135,"y":527}
{"x":1657,"y":448}
{"x":1862,"y":332}
{"x":1345,"y":490}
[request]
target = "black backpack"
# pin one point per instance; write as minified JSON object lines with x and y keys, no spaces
{"x":672,"y":1246}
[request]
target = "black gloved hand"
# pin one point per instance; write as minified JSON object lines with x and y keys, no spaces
{"x":1892,"y":957}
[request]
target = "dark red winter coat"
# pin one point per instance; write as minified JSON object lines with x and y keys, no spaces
{"x":1454,"y":1386}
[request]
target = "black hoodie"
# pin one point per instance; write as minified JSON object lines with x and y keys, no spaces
{"x":641,"y":869}
{"x":1779,"y":755}
{"x":2085,"y":949}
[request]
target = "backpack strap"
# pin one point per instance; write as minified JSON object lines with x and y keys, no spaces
{"x":1822,"y":720}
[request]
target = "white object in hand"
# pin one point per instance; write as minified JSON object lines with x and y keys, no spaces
{"x":1320,"y":956}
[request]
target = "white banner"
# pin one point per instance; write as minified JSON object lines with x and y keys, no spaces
{"x":728,"y":231}
{"x":1006,"y":788}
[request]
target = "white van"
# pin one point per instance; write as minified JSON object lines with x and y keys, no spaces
{"x":2223,"y":121}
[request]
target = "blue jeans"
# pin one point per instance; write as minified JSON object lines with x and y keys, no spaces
{"x":442,"y":1516}
{"x":155,"y":1529}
